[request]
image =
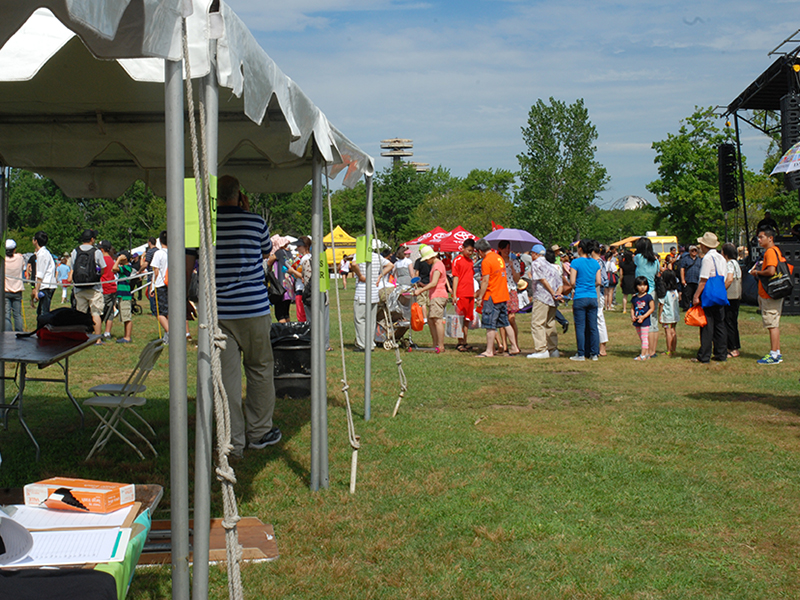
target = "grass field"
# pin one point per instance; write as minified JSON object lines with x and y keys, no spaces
{"x":499,"y":478}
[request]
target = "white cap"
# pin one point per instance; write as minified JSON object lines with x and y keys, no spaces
{"x":10,"y":244}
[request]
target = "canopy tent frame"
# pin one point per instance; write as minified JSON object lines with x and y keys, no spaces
{"x":351,"y":158}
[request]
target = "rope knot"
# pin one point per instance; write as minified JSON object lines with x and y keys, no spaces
{"x":226,"y":475}
{"x":230,"y":522}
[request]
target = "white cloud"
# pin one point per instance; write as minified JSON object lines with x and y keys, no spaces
{"x":461,"y":83}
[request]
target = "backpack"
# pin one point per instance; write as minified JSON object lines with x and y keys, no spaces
{"x":85,"y":268}
{"x":62,"y":323}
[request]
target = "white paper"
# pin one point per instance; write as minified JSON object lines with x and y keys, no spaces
{"x":54,"y":548}
{"x":16,"y":539}
{"x":37,"y":518}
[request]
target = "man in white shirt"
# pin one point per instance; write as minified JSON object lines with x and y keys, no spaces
{"x":45,"y":274}
{"x":715,"y":332}
{"x":366,"y":331}
{"x":159,"y":266}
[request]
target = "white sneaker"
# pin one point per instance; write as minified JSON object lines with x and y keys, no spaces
{"x":554,"y":354}
{"x":577,"y":357}
{"x":544,"y":354}
{"x":595,"y":357}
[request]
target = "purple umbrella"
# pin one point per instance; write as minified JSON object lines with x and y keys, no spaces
{"x":521,"y":240}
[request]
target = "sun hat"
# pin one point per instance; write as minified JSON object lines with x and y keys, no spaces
{"x":522,"y":285}
{"x":709,"y":240}
{"x":10,"y":244}
{"x":555,"y":247}
{"x":538,"y":249}
{"x":426,"y":253}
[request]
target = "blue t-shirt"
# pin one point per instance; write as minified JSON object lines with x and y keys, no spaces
{"x":646,"y":269}
{"x":641,"y":304}
{"x":585,"y":269}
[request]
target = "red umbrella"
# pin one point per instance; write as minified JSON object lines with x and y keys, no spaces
{"x":425,"y":238}
{"x":454,"y":240}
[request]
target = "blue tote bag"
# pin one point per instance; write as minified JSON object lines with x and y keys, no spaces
{"x":714,"y":292}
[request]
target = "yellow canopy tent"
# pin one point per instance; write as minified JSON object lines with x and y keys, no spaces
{"x":345,"y":245}
{"x":627,"y":242}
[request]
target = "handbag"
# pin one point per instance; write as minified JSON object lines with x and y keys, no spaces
{"x":695,"y":317}
{"x":714,"y":292}
{"x":779,"y":285}
{"x":417,"y":318}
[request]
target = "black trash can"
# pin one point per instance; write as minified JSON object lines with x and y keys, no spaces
{"x":291,"y":349}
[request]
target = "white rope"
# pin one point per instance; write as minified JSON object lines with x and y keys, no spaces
{"x":72,"y":284}
{"x":355,"y":440}
{"x":224,"y":471}
{"x":401,"y":374}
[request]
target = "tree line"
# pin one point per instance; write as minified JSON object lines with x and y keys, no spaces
{"x":553,"y":195}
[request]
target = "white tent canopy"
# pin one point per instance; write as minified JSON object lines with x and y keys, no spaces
{"x":95,"y":126}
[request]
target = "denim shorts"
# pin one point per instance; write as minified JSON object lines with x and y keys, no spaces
{"x":494,"y":316}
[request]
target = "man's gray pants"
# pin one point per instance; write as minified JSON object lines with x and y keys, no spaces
{"x":248,"y":345}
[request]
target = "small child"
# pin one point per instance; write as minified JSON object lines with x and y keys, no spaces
{"x":642,"y":306}
{"x":669,"y":312}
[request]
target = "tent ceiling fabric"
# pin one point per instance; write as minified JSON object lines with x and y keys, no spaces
{"x":95,"y":126}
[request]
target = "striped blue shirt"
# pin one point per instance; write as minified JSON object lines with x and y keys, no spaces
{"x":242,"y":241}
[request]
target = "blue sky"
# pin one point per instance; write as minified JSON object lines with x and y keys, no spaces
{"x":459,"y":77}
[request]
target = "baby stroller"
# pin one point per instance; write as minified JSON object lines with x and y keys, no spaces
{"x":394,"y":319}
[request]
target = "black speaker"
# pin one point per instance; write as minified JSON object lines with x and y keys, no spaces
{"x":790,"y":133}
{"x":726,"y":158}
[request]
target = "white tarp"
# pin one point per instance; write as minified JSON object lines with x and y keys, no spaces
{"x":95,"y":126}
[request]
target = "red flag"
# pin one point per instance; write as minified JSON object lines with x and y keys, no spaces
{"x":495,"y":226}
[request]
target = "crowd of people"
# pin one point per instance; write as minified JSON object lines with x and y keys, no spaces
{"x":492,"y":285}
{"x":99,"y":278}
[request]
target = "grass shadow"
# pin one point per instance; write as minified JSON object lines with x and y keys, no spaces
{"x":785,"y":403}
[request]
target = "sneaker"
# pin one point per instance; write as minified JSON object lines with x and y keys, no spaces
{"x":272,"y":437}
{"x":595,"y":357}
{"x":771,"y":360}
{"x":554,"y":354}
{"x":577,"y":357}
{"x":544,"y":354}
{"x":166,"y":337}
{"x":565,"y":327}
{"x":106,"y":336}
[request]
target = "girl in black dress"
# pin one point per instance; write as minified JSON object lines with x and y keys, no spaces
{"x":628,"y":281}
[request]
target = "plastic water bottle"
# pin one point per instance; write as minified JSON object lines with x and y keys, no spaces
{"x":40,"y":295}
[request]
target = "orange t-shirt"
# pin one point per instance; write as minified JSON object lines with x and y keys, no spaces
{"x":770,"y":260}
{"x":494,"y":266}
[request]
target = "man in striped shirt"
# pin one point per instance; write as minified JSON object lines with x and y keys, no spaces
{"x":244,"y":317}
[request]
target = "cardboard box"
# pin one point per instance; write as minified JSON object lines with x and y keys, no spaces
{"x":83,"y":494}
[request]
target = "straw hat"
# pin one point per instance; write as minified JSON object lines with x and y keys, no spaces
{"x":709,"y":240}
{"x":426,"y":253}
{"x":522,"y":285}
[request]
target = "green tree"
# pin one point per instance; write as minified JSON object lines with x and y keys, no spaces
{"x":609,"y":226}
{"x":688,"y":182}
{"x":559,"y":176}
{"x":500,"y":181}
{"x":474,"y":210}
{"x":397,"y":192}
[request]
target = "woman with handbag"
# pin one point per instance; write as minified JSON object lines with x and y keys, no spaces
{"x":713,"y":297}
{"x":733,"y":282}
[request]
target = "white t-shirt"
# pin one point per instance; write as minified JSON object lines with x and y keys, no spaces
{"x":711,"y":260}
{"x":160,"y":262}
{"x":45,"y":269}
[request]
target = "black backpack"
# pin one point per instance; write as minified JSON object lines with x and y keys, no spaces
{"x":85,"y":268}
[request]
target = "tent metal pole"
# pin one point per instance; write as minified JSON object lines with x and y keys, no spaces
{"x":369,"y":334}
{"x":741,"y":179}
{"x":319,"y":322}
{"x":3,"y":228}
{"x":204,"y":424}
{"x":319,"y":430}
{"x":178,"y":412}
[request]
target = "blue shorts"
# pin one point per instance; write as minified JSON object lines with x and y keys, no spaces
{"x":494,"y":316}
